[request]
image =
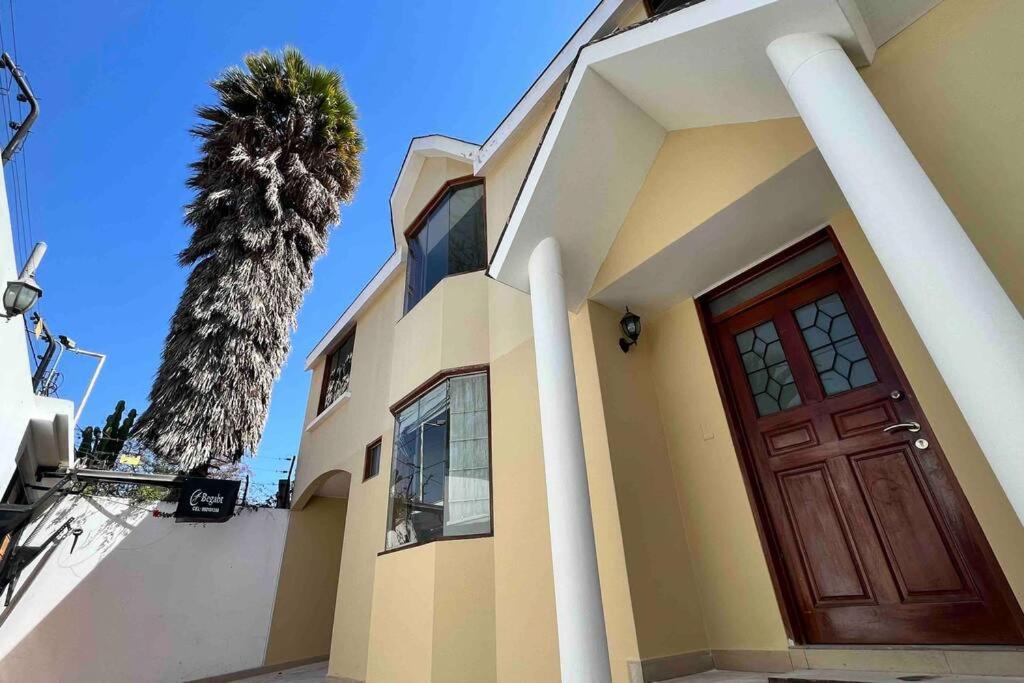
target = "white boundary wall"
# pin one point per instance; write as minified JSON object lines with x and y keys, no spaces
{"x":142,"y":598}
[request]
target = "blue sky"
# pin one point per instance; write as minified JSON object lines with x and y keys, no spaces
{"x":106,"y":162}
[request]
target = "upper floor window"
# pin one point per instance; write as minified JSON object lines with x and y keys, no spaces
{"x":661,"y":6}
{"x":448,"y":238}
{"x":441,"y":464}
{"x":337,"y":373}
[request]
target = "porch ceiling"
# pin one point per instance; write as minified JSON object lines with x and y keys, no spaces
{"x":701,"y":66}
{"x":794,"y":202}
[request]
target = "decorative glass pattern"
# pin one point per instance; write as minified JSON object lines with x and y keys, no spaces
{"x":839,"y":357}
{"x":771,"y":381}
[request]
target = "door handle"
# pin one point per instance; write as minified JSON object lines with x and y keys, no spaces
{"x":910,"y":426}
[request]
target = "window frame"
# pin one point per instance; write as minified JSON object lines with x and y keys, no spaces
{"x":651,"y":12}
{"x":422,"y":218}
{"x":376,"y":443}
{"x":406,"y":401}
{"x":321,"y":401}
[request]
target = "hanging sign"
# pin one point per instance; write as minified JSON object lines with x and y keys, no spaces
{"x":207,"y":500}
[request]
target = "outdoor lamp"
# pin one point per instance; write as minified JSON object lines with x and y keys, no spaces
{"x":23,"y":293}
{"x":630,"y":325}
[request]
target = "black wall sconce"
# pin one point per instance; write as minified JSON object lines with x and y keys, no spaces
{"x":630,"y":325}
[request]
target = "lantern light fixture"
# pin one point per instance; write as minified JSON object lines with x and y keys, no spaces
{"x":22,"y":294}
{"x":631,"y":327}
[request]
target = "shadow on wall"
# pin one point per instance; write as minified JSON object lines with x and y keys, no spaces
{"x":142,"y":598}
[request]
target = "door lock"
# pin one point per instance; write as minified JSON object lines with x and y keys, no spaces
{"x":921,"y":444}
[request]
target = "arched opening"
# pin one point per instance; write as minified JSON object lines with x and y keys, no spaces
{"x":308,"y":581}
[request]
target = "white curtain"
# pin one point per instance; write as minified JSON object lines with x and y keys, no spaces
{"x":468,"y":507}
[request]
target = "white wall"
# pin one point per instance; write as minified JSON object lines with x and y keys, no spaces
{"x":16,"y":397}
{"x":143,"y":599}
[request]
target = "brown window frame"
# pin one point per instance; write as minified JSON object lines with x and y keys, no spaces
{"x":420,"y":222}
{"x":327,"y":368}
{"x":376,"y":443}
{"x":415,"y":395}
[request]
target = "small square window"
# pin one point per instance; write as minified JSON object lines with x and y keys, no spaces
{"x":371,"y":465}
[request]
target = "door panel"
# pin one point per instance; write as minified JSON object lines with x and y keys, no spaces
{"x":874,"y":539}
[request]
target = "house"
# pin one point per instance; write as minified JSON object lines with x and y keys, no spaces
{"x":809,"y":458}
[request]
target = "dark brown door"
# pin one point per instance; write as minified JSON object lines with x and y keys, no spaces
{"x":874,"y":536}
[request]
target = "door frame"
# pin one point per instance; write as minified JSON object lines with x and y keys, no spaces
{"x":770,"y":545}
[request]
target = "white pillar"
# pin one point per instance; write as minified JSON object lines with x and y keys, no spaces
{"x":972,"y":330}
{"x":582,"y":642}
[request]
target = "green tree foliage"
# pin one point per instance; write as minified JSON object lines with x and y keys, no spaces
{"x":100,"y":447}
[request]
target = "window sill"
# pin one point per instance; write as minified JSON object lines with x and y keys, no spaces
{"x":339,"y":402}
{"x":442,"y":539}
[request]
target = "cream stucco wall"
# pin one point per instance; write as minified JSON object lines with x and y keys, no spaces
{"x":952,"y":84}
{"x":307,"y":585}
{"x":738,"y":603}
{"x":622,"y":422}
{"x":697,"y":173}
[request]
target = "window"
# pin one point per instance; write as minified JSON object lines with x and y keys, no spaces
{"x":839,"y":358}
{"x":371,"y":465}
{"x":337,"y":373}
{"x":441,"y":471}
{"x":450,"y":238}
{"x":661,"y":6}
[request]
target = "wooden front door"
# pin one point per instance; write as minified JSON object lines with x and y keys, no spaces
{"x":874,"y":539}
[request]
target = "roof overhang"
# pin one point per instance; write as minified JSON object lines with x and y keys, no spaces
{"x":700,"y":66}
{"x":603,"y":19}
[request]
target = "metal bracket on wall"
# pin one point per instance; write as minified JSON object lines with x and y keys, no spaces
{"x":20,"y":129}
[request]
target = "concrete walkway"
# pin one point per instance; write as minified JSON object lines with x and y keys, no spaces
{"x":317,"y":673}
{"x":310,"y":673}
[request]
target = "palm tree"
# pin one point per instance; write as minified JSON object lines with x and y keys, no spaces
{"x":279,"y":152}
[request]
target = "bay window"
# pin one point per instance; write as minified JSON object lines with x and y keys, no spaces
{"x":450,"y":237}
{"x":441,"y":472}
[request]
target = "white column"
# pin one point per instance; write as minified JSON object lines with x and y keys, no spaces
{"x":582,"y":642}
{"x":972,"y":330}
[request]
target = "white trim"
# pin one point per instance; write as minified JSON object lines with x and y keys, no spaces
{"x":603,"y":18}
{"x":421,"y":149}
{"x":369,"y":292}
{"x":337,"y":403}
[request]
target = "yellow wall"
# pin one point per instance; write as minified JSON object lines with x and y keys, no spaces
{"x":308,"y":582}
{"x":739,"y":606}
{"x":446,"y":329}
{"x":608,"y":532}
{"x":506,"y":174}
{"x":402,"y":628}
{"x":622,"y":427}
{"x":433,"y":614}
{"x":697,"y":173}
{"x":463,"y":642}
{"x":952,"y":84}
